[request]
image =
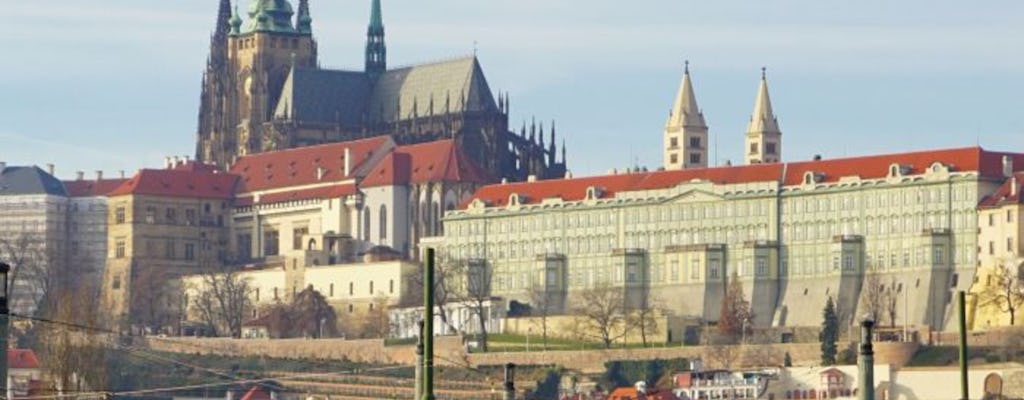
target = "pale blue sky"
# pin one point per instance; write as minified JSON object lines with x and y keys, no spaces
{"x":114,"y":84}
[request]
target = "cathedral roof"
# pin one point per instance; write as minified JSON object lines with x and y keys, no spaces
{"x":16,"y":181}
{"x":190,"y":180}
{"x":327,"y":96}
{"x":986,"y":164}
{"x":457,"y":85}
{"x":440,"y":161}
{"x":324,"y":96}
{"x":308,"y":166}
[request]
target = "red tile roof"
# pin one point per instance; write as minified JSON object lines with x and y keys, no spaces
{"x":988,"y":164}
{"x":1008,"y":193}
{"x":22,"y":359}
{"x":439,"y":161}
{"x":92,"y":187}
{"x":189,"y":180}
{"x":327,"y":192}
{"x":256,"y":393}
{"x":297,"y":167}
{"x":633,"y":394}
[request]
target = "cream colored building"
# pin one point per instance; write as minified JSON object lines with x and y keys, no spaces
{"x":352,"y":289}
{"x":793,"y":233}
{"x":1000,"y":252}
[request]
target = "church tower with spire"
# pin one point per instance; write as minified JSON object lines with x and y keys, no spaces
{"x":376,"y":51}
{"x":686,"y":133}
{"x":763,"y":138}
{"x":252,"y":60}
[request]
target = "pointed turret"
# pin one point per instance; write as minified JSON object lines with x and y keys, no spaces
{"x":376,"y":51}
{"x":303,"y":20}
{"x":686,"y":132}
{"x":273,"y":16}
{"x":553,"y":150}
{"x":236,"y":23}
{"x":763,"y":138}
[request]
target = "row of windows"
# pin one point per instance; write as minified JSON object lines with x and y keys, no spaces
{"x":992,"y":246}
{"x":330,"y":292}
{"x":992,"y":218}
{"x":170,"y":249}
{"x":170,"y":216}
{"x":694,"y":142}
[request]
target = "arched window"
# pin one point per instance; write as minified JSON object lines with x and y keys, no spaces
{"x":366,"y":224}
{"x":383,"y":222}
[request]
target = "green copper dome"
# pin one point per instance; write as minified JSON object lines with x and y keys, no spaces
{"x":270,"y":16}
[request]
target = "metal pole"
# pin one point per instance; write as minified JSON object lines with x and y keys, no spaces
{"x":419,"y":360}
{"x":428,"y":327}
{"x":510,"y":382}
{"x":866,"y":383}
{"x":5,"y":322}
{"x":906,"y":313}
{"x":962,"y":300}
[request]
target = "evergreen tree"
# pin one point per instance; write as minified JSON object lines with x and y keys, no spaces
{"x":829,"y":333}
{"x":735,"y":313}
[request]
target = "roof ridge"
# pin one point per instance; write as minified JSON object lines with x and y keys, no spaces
{"x":433,"y":62}
{"x":316,"y":146}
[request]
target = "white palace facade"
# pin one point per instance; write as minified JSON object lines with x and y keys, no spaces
{"x":795,"y":233}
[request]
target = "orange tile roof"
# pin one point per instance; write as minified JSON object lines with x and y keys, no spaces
{"x":92,"y":187}
{"x":439,"y":161}
{"x":188,"y":180}
{"x":628,"y":393}
{"x":987,"y":164}
{"x":22,"y":359}
{"x":298,"y":166}
{"x":328,"y":192}
{"x":1008,"y":193}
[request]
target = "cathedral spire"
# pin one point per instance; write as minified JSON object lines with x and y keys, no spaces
{"x":376,"y":51}
{"x":303,"y":20}
{"x":763,"y":137}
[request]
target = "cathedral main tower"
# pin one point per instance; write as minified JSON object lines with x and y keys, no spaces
{"x":248,"y":65}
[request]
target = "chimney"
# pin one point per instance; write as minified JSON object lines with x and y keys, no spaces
{"x":568,"y":174}
{"x":531,"y":178}
{"x":1007,"y":166}
{"x":122,"y":173}
{"x":187,"y":158}
{"x":167,"y":162}
{"x":347,"y":161}
{"x":817,"y":157}
{"x":504,"y":181}
{"x":3,"y":164}
{"x":99,"y":175}
{"x":174,"y":161}
{"x":320,"y":173}
{"x":80,"y":174}
{"x":50,"y":169}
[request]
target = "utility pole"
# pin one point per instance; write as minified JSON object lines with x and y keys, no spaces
{"x":961,"y":310}
{"x":428,"y":327}
{"x":5,"y":321}
{"x":866,"y":381}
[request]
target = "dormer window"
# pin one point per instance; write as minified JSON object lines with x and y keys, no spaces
{"x":897,"y":170}
{"x":594,"y":193}
{"x":515,"y":199}
{"x":811,"y":177}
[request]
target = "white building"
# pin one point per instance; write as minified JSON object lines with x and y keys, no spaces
{"x":87,"y":224}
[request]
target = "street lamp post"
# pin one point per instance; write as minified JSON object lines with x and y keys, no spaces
{"x":4,"y":324}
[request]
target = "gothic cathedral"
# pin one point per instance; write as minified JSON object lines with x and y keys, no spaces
{"x":263,"y":90}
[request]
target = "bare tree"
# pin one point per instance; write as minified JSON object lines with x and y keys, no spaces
{"x":447,"y":274}
{"x":154,"y":304}
{"x":722,"y":355}
{"x":222,"y":300}
{"x":645,"y":317}
{"x":891,"y":298}
{"x":477,"y":292}
{"x":601,"y":314}
{"x":376,"y":323}
{"x":1005,"y":291}
{"x":540,"y":308}
{"x":873,"y":297}
{"x":34,"y":267}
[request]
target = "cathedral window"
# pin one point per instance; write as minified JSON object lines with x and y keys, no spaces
{"x":673,"y":143}
{"x":770,"y":148}
{"x":366,"y":224}
{"x":673,"y":158}
{"x":695,"y":142}
{"x":753,"y":148}
{"x":119,"y":215}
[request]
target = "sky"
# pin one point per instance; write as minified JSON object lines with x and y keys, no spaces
{"x":114,"y":84}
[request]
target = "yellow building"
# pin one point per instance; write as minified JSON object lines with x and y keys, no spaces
{"x":1000,"y":257}
{"x":163,"y":223}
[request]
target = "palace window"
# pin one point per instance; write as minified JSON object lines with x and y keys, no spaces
{"x":695,"y":142}
{"x":673,"y":143}
{"x":753,"y":148}
{"x":172,"y":215}
{"x":271,"y":247}
{"x":119,"y":215}
{"x":150,"y":215}
{"x":190,"y":251}
{"x":120,"y":249}
{"x":297,"y":235}
{"x":937,"y":255}
{"x":713,"y":267}
{"x":695,"y":158}
{"x":761,"y":266}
